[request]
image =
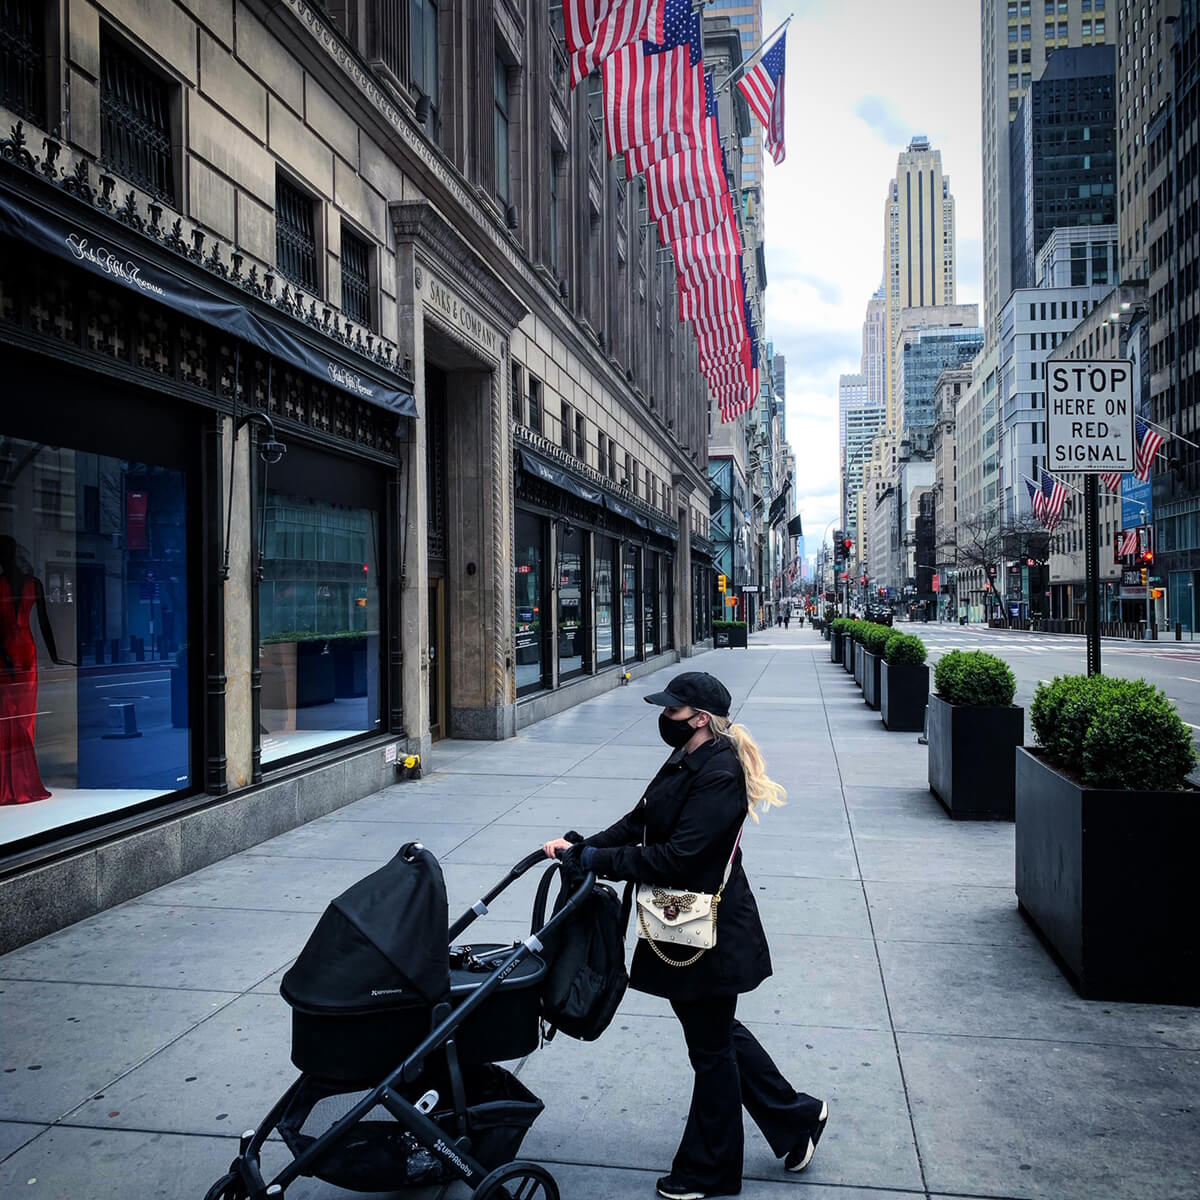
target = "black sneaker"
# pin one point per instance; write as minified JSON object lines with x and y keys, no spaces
{"x":673,"y":1189}
{"x":801,"y":1154}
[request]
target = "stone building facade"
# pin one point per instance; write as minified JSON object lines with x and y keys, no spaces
{"x":353,"y":412}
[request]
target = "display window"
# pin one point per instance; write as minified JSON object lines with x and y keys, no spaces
{"x":319,"y":605}
{"x":573,"y":643}
{"x":606,"y":643}
{"x":529,"y":607}
{"x":629,"y":603}
{"x":96,"y":655}
{"x":650,"y":601}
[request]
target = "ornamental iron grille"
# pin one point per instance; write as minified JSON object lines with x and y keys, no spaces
{"x":295,"y":235}
{"x":135,"y":121}
{"x":23,"y":59}
{"x":356,"y":278}
{"x":435,"y":462}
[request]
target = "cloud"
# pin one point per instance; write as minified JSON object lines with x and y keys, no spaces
{"x":883,"y":120}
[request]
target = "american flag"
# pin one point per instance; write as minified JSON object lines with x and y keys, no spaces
{"x":655,"y":88}
{"x":696,"y":217}
{"x":695,"y":173}
{"x":596,"y":28}
{"x":1054,"y":495}
{"x":1036,"y":499}
{"x":763,"y":88}
{"x":639,"y":158}
{"x":1148,"y":442}
{"x":1111,"y":480}
{"x":1129,"y":543}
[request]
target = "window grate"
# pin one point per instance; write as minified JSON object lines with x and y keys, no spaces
{"x":295,"y":235}
{"x":135,"y":121}
{"x":23,"y":59}
{"x":356,"y":278}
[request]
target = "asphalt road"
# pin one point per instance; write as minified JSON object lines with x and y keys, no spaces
{"x":1039,"y":657}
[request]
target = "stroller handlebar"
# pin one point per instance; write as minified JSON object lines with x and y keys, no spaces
{"x":480,"y":907}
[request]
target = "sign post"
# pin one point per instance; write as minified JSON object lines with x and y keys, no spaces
{"x":1089,"y":428}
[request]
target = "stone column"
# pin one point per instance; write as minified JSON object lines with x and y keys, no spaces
{"x":683,"y":568}
{"x":239,"y":597}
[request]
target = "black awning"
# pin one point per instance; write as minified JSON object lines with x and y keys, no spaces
{"x":795,"y":528}
{"x":544,"y":469}
{"x":117,"y":254}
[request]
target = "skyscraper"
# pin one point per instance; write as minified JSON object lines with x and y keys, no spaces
{"x":1062,"y":153}
{"x":918,"y":248}
{"x":746,"y":17}
{"x":1016,"y":45}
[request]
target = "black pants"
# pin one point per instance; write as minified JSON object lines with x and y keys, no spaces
{"x":728,"y":1061}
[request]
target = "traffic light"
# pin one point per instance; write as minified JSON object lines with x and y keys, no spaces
{"x":1143,"y":577}
{"x":839,"y":545}
{"x":847,"y":548}
{"x":722,"y":583}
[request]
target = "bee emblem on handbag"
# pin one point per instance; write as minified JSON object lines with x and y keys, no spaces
{"x":672,"y":905}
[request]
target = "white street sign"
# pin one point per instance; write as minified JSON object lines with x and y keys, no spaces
{"x":1089,"y":416}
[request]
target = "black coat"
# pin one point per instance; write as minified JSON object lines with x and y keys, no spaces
{"x":692,"y":813}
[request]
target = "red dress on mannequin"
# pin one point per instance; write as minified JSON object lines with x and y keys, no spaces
{"x":20,"y":780}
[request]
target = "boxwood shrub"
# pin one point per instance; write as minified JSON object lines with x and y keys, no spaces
{"x":1113,"y":733}
{"x":904,"y":649}
{"x":875,"y":638}
{"x":839,"y":625}
{"x":974,"y":677}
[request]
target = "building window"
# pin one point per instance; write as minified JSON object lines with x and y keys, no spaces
{"x":601,"y":456}
{"x":612,"y":459}
{"x":564,"y":427}
{"x":295,"y":235}
{"x":574,"y":648}
{"x":529,"y":607}
{"x":628,"y":480}
{"x":23,"y":59}
{"x":535,"y":404}
{"x":356,"y":278}
{"x":135,"y":121}
{"x":552,"y":248}
{"x":501,"y":130}
{"x":423,"y":56}
{"x":581,"y":437}
{"x":518,"y":395}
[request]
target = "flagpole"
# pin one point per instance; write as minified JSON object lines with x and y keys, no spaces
{"x":1165,"y":430}
{"x":733,"y":76}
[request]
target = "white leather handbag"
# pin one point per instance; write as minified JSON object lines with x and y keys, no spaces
{"x":679,"y":917}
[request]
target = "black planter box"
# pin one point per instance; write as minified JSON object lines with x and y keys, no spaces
{"x":903,"y":691}
{"x":835,"y":646}
{"x":1106,"y":878}
{"x":870,"y":681}
{"x":858,"y":663}
{"x":848,"y":644}
{"x":730,"y":638}
{"x":972,"y":759}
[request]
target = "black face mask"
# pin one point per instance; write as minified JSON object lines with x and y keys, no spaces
{"x":675,"y":733}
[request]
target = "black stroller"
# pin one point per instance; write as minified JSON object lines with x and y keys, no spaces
{"x":397,"y":1040}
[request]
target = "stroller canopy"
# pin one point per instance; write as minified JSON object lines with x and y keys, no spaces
{"x":381,"y":944}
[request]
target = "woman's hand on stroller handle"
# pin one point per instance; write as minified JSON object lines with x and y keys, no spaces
{"x":556,"y":847}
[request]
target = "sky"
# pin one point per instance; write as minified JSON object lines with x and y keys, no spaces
{"x":863,"y":77}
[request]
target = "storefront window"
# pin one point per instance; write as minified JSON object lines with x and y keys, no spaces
{"x":94,"y":649}
{"x":606,"y":646}
{"x":629,"y":606}
{"x":572,"y":627}
{"x":650,"y":605}
{"x":319,"y":616}
{"x":528,"y":607}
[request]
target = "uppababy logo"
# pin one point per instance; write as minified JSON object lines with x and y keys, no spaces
{"x":350,"y":381}
{"x":387,"y":991}
{"x":443,"y":1151}
{"x":107,"y":261}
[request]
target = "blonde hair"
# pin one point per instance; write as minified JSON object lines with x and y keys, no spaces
{"x":762,"y":792}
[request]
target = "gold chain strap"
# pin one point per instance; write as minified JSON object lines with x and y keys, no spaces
{"x":679,"y":962}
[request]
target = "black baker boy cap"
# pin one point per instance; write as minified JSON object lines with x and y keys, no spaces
{"x":694,"y":689}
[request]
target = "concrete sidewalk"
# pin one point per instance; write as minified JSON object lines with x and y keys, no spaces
{"x":136,"y":1045}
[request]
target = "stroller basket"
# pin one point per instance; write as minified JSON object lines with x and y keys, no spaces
{"x":377,"y":1155}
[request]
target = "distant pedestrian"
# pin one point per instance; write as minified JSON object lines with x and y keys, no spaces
{"x":787,"y":616}
{"x":686,"y":832}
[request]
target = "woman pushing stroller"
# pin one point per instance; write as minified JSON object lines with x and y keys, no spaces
{"x":686,"y":832}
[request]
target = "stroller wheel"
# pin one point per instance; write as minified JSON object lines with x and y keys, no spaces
{"x":517,"y":1181}
{"x":228,"y":1187}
